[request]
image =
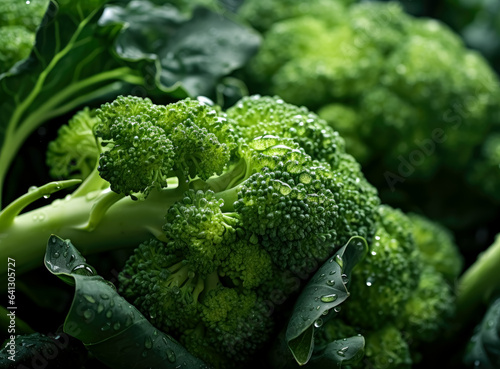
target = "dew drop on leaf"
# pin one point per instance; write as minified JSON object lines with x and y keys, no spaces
{"x":329,"y":298}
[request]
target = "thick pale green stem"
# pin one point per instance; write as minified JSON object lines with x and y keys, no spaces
{"x":125,"y":224}
{"x":479,"y":282}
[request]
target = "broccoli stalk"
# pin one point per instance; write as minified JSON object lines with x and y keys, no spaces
{"x":478,"y":283}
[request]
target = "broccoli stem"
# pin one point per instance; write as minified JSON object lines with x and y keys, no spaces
{"x":125,"y":223}
{"x":478,"y":283}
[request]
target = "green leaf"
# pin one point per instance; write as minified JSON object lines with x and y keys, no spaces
{"x":192,"y":55}
{"x":112,"y":329}
{"x":326,"y":290}
{"x":301,"y":346}
{"x":483,"y":350}
{"x":346,"y":351}
{"x":40,"y":351}
{"x":70,"y":65}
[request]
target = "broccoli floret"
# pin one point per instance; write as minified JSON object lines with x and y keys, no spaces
{"x":263,"y":115}
{"x":437,"y":247}
{"x":485,"y":170}
{"x":145,"y":143}
{"x":197,"y":226}
{"x":388,"y":276}
{"x":74,"y":153}
{"x":428,"y":311}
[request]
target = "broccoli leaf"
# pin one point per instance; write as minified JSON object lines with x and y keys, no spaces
{"x":192,"y":54}
{"x":40,"y":351}
{"x":484,"y":348}
{"x":325,"y":291}
{"x":113,"y":330}
{"x":346,"y":351}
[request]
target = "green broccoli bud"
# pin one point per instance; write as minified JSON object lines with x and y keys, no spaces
{"x":386,"y":279}
{"x":197,"y":226}
{"x":163,"y":286}
{"x":262,"y":115}
{"x":437,"y":247}
{"x":145,"y":143}
{"x":248,"y":265}
{"x":428,"y":311}
{"x":74,"y":153}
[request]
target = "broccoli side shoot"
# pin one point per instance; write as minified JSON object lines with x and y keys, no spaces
{"x":74,"y":153}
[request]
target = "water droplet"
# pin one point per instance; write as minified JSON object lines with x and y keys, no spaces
{"x":369,"y":281}
{"x":148,"y":342}
{"x":89,"y":299}
{"x":116,"y":326}
{"x":345,"y":280}
{"x":71,"y":260}
{"x":106,"y":327}
{"x":55,"y":255}
{"x":330,"y":282}
{"x":342,"y":351}
{"x":339,"y":261}
{"x":83,"y":269}
{"x":87,"y":314}
{"x":104,"y":296}
{"x":109,"y":314}
{"x":333,"y":272}
{"x":46,"y":196}
{"x":171,"y":356}
{"x":326,"y":312}
{"x":32,"y":189}
{"x":337,"y":309}
{"x":318,"y":323}
{"x":100,"y":308}
{"x":329,"y":298}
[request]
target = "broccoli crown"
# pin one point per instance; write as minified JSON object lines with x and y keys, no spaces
{"x":18,"y":23}
{"x":391,"y":70}
{"x":280,"y":194}
{"x":144,"y":143}
{"x":427,"y":312}
{"x":485,"y":170}
{"x":74,"y":153}
{"x":384,"y":281}
{"x":437,"y":247}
